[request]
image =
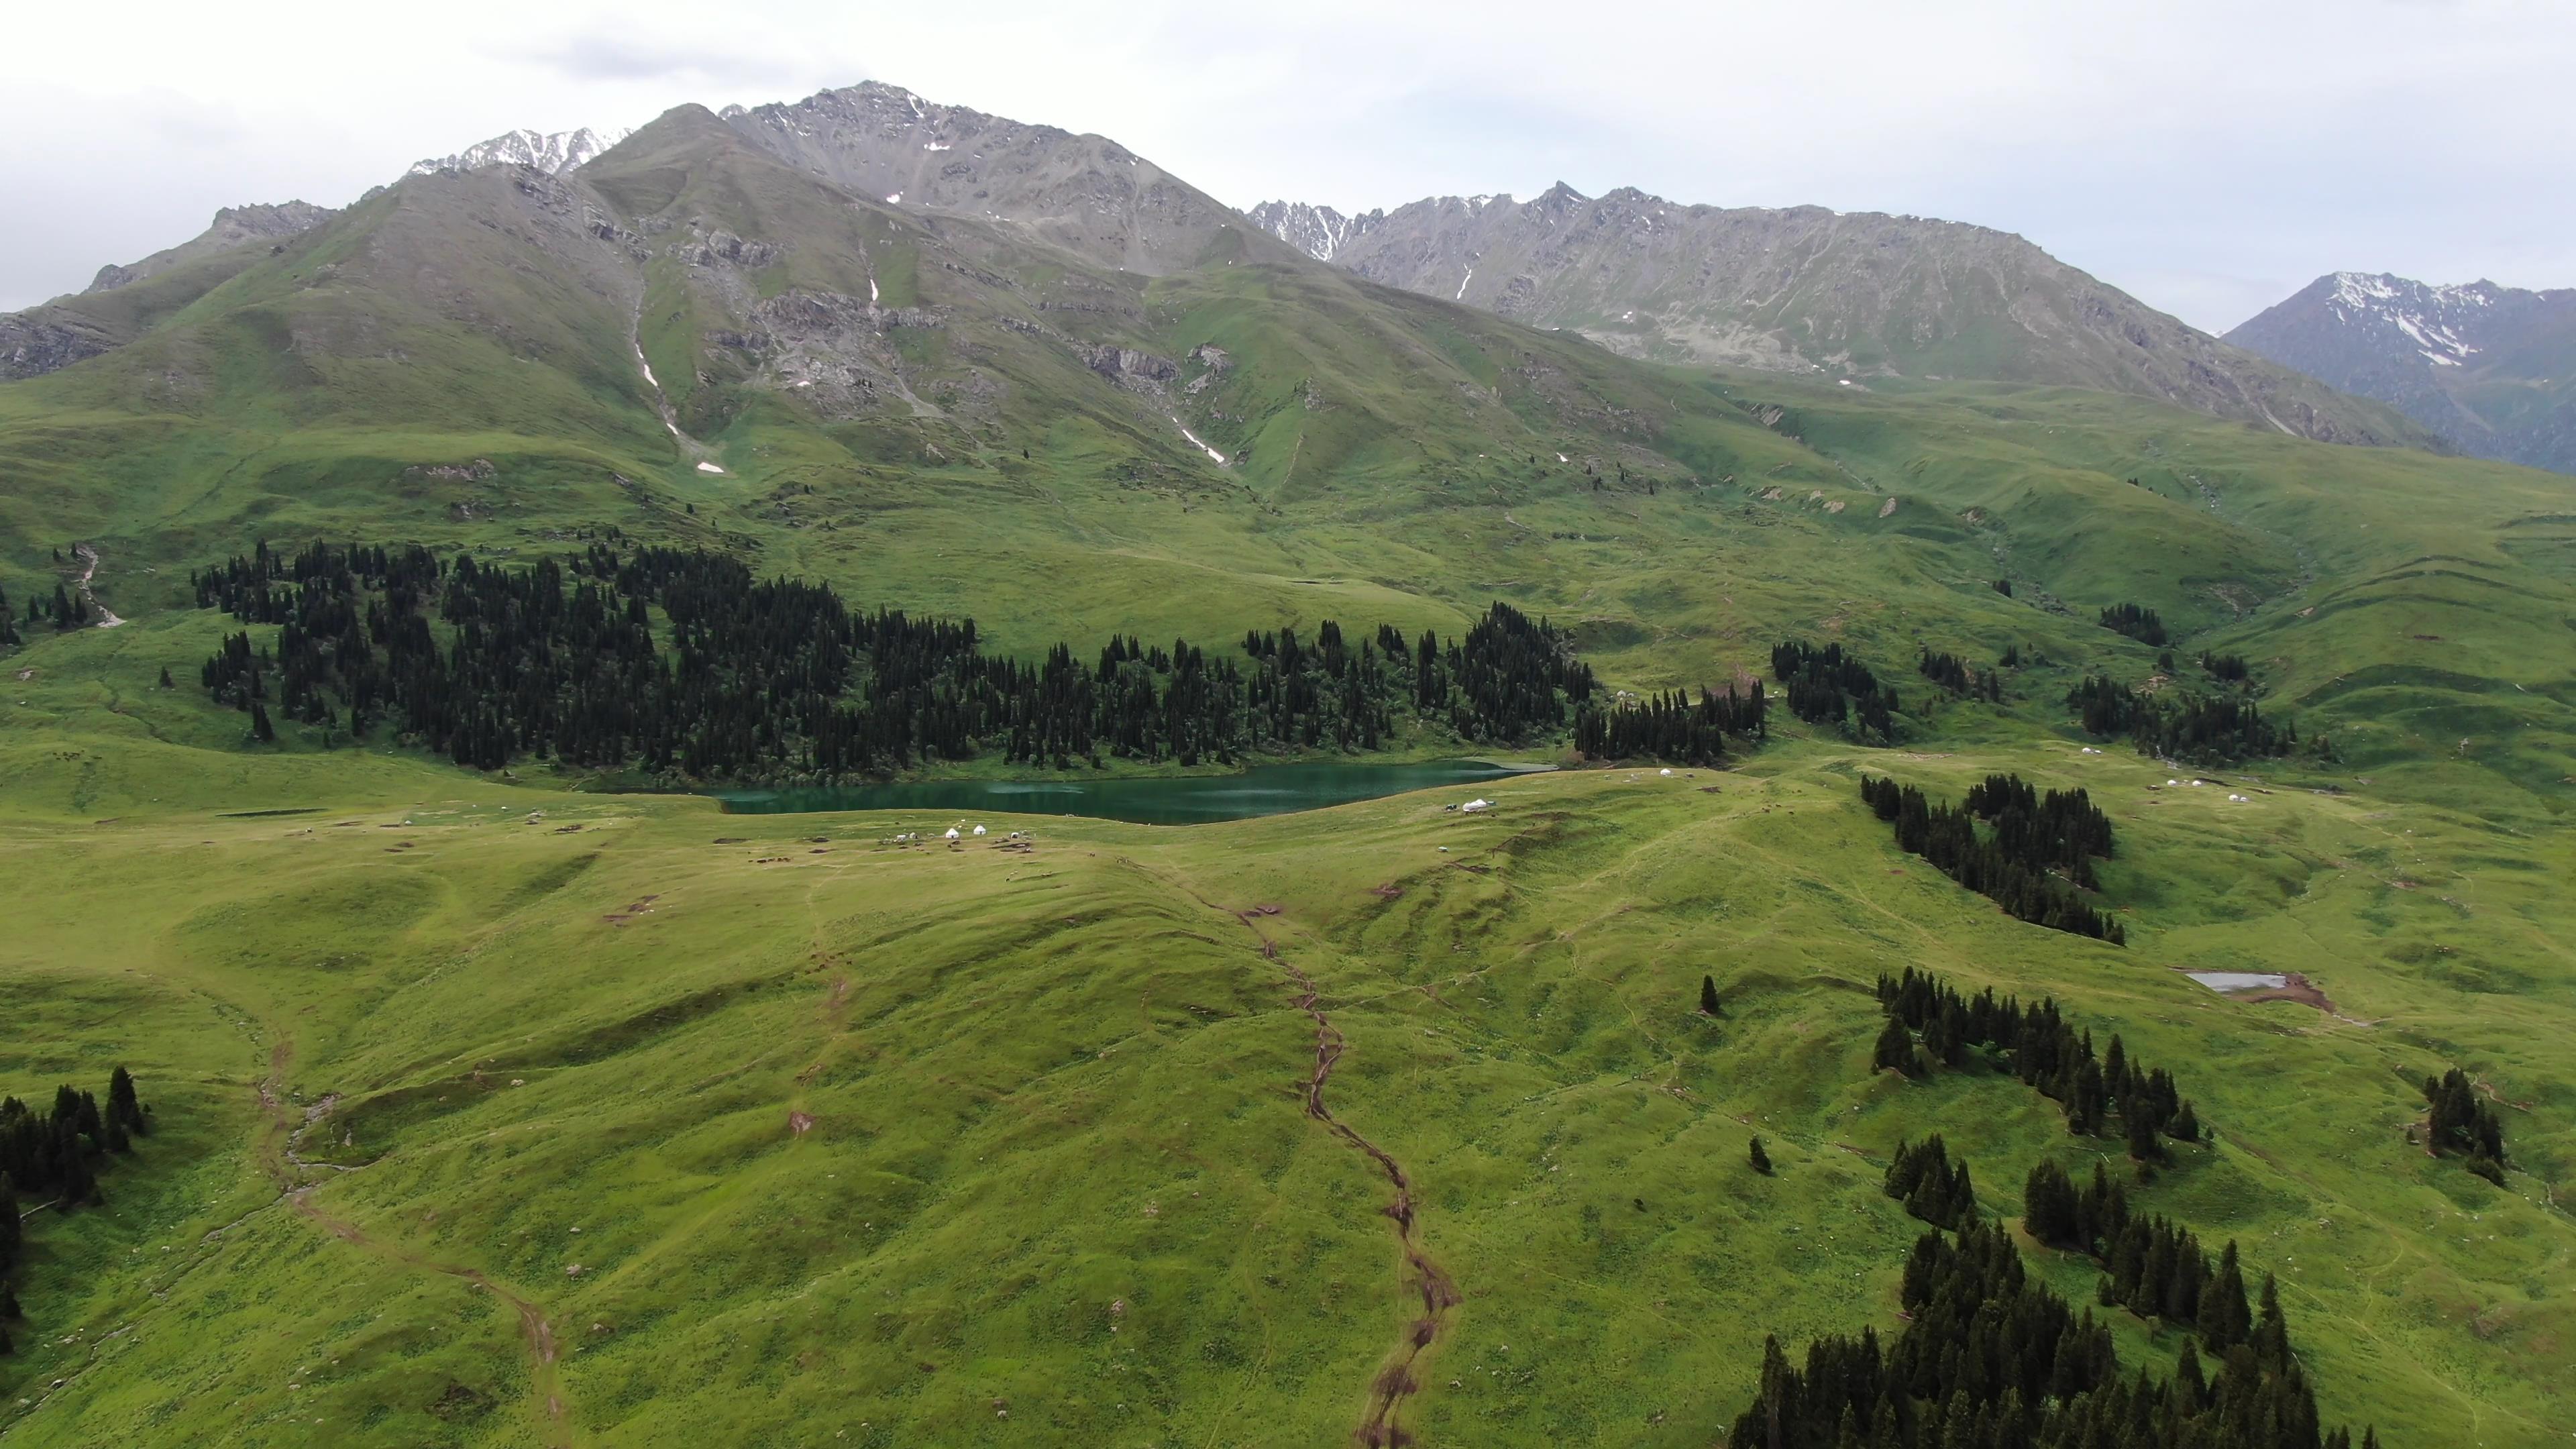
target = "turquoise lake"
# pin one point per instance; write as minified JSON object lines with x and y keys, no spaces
{"x":1172,"y":800}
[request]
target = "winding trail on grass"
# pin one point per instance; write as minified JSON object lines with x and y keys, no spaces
{"x":1396,"y":1380}
{"x":285,"y":1166}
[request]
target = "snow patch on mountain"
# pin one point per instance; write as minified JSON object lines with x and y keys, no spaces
{"x":1318,"y":231}
{"x":554,"y":152}
{"x":2431,"y":318}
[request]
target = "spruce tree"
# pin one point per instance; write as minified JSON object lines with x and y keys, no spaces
{"x":122,"y":1102}
{"x":1761,"y":1159}
{"x":1895,"y":1051}
{"x":1708,"y":997}
{"x":2224,"y":1319}
{"x":2272,"y":1333}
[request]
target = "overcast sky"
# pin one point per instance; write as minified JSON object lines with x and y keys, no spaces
{"x":2210,"y":156}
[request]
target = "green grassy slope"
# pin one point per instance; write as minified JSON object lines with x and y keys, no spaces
{"x":1058,"y":1161}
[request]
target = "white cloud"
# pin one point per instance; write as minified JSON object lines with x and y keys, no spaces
{"x":2208,"y":156}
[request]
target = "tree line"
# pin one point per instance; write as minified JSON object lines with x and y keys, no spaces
{"x":1990,"y":1359}
{"x":54,"y":1156}
{"x":2138,"y":623}
{"x":681,"y":663}
{"x":1932,"y":1187}
{"x":2018,"y":861}
{"x":67,"y":611}
{"x":2193,"y":728}
{"x":1827,"y":686}
{"x":2037,"y":1044}
{"x":1668,"y":726}
{"x":1953,"y":674}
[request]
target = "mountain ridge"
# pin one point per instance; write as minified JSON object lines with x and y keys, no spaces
{"x":553,"y":152}
{"x":1807,"y":289}
{"x":124,"y":301}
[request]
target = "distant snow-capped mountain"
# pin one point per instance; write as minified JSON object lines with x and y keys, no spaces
{"x":2490,"y":369}
{"x":551,"y":152}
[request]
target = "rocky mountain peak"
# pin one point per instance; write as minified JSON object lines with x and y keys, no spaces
{"x":553,"y":152}
{"x":1318,"y":231}
{"x":232,"y":227}
{"x":1084,"y":193}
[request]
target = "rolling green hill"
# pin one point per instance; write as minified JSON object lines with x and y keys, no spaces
{"x":489,"y":1111}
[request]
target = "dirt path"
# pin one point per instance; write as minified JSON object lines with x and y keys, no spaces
{"x":1396,"y":1380}
{"x":89,"y":570}
{"x":286,"y":1167}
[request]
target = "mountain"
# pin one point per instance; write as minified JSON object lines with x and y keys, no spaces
{"x":553,"y":152}
{"x":620,"y":1118}
{"x":1318,"y":231}
{"x":2489,"y":369}
{"x":1860,"y":295}
{"x":124,"y":302}
{"x":234,"y":226}
{"x":1086,"y":194}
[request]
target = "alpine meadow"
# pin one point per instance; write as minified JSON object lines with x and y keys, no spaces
{"x":2030,"y":909}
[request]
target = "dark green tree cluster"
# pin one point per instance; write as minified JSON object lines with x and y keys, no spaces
{"x":1827,"y":686}
{"x":2226,"y":668}
{"x":1931,"y":1186}
{"x":1952,"y":673}
{"x":2107,"y":707}
{"x":1989,"y":1359}
{"x":2192,"y":728}
{"x":1514,"y":677}
{"x":2062,"y":830}
{"x":2462,"y":1121}
{"x":2151,"y":1265}
{"x":67,"y":612}
{"x":682,"y":664}
{"x":9,"y":622}
{"x":2037,"y":1044}
{"x":2012,"y":863}
{"x":1669,"y":727}
{"x":56,"y":1152}
{"x":55,"y":1155}
{"x":2139,"y":624}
